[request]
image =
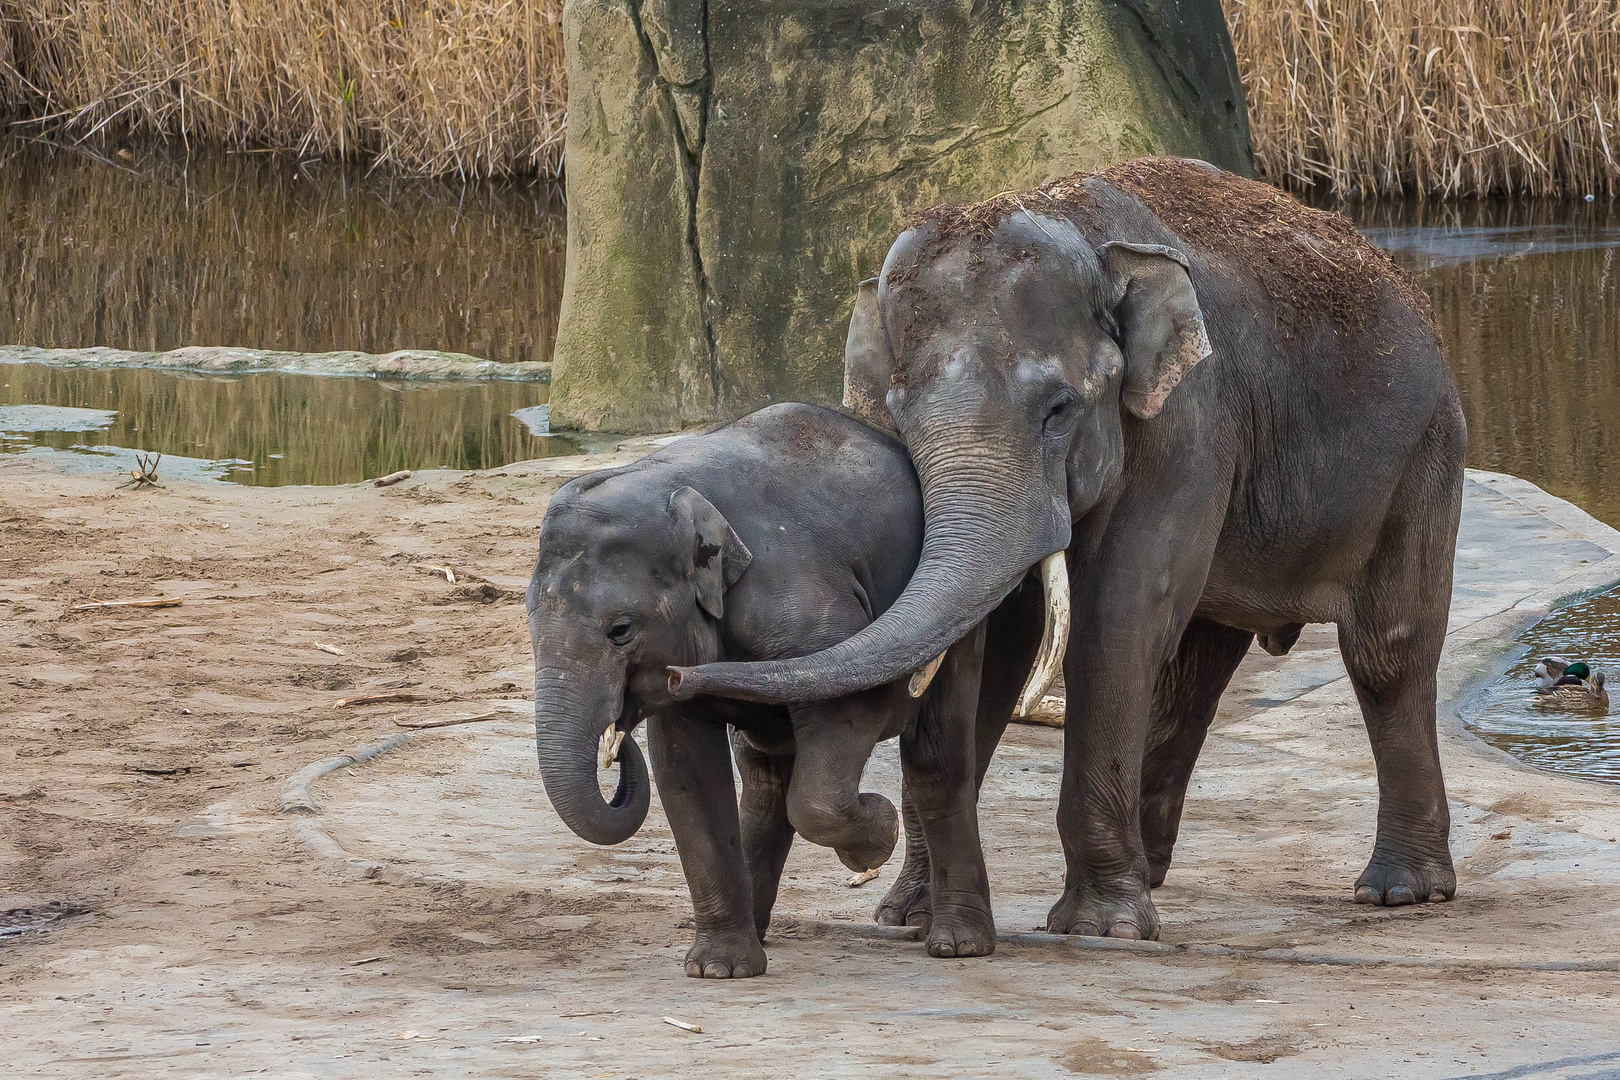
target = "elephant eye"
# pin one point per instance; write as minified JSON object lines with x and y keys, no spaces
{"x":1061,"y":415}
{"x":621,"y":632}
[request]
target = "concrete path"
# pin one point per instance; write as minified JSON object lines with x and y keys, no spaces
{"x":1265,"y":968}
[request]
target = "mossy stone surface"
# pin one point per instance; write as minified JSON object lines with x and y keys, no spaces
{"x":734,"y":170}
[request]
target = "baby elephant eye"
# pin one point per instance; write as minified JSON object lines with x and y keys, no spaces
{"x":621,"y":632}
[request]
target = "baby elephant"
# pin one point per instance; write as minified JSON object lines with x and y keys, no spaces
{"x":775,"y":536}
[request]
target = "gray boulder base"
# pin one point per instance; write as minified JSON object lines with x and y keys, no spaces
{"x":735,"y":169}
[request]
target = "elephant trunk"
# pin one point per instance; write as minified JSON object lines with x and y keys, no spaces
{"x":572,"y":708}
{"x":985,"y":529}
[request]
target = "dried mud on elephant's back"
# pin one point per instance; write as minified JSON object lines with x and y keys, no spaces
{"x":1313,"y":261}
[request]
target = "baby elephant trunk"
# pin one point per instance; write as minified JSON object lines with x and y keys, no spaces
{"x":571,"y":711}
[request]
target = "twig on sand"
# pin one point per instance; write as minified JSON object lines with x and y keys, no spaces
{"x":417,"y":725}
{"x":857,"y":880}
{"x":449,"y":574}
{"x":333,"y":649}
{"x":145,"y":601}
{"x":145,"y":472}
{"x":375,"y":699}
{"x":683,"y":1025}
{"x":160,"y":601}
{"x":392,"y":478}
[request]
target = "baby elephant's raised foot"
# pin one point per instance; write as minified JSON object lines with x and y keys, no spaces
{"x":873,"y":838}
{"x":961,"y":931}
{"x":733,"y":955}
{"x":1390,"y":882}
{"x":1094,"y":916}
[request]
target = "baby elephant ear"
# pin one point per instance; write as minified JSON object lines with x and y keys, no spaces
{"x":1160,"y":323}
{"x":719,"y":556}
{"x":868,"y":364}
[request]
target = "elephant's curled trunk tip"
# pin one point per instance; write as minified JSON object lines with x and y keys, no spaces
{"x":678,"y":680}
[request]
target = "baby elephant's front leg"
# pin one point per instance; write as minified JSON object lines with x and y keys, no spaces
{"x":692,"y":767}
{"x":825,"y":803}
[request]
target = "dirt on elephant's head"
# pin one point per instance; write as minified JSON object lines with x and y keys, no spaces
{"x":1312,"y":261}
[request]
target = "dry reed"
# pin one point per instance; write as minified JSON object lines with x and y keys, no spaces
{"x":1443,"y":97}
{"x":475,"y":87}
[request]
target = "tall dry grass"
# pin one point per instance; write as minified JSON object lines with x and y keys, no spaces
{"x":1447,"y":97}
{"x":475,"y":87}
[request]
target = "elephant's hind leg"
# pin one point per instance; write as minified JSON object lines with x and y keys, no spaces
{"x":1391,"y":641}
{"x":767,"y":835}
{"x":1184,"y":702}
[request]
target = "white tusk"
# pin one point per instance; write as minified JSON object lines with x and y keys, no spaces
{"x":1054,"y":639}
{"x":923,"y":676}
{"x":612,"y":738}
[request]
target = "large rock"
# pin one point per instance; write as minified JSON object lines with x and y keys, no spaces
{"x":734,"y":169}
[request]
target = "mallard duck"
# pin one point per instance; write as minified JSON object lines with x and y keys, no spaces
{"x":1572,"y":685}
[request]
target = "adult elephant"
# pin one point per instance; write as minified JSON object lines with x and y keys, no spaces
{"x":1233,"y":414}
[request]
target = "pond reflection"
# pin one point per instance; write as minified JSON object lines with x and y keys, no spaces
{"x":273,"y":428}
{"x":158,"y":251}
{"x":1528,"y":302}
{"x":1510,"y":717}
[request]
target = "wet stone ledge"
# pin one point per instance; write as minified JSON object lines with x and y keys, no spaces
{"x":402,"y":364}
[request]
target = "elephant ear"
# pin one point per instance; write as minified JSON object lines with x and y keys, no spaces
{"x":868,"y":364}
{"x":719,"y":556}
{"x":1161,"y":326}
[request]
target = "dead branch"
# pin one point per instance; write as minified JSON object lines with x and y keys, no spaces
{"x":418,"y":725}
{"x":375,"y":699}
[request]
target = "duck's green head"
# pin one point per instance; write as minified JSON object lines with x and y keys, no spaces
{"x":1579,"y":670}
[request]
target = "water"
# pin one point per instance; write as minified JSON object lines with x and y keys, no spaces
{"x":271,"y":428}
{"x":1527,"y":295}
{"x":1510,"y":718}
{"x":157,"y":250}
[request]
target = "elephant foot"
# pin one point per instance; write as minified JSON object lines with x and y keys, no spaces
{"x":879,"y":835}
{"x":1088,"y":914}
{"x":730,"y":954}
{"x":1394,"y":881}
{"x":962,"y":930}
{"x":907,"y":902}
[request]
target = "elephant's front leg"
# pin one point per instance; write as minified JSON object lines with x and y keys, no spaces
{"x":826,"y":805}
{"x":692,"y":767}
{"x":767,"y":835}
{"x":1107,"y":883}
{"x":1134,"y":598}
{"x":942,"y":779}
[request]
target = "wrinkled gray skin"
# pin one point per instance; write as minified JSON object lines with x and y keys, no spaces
{"x":778,"y":535}
{"x":1306,"y":471}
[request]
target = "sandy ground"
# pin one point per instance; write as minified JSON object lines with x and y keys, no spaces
{"x":434,"y":918}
